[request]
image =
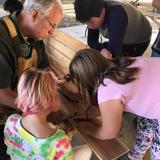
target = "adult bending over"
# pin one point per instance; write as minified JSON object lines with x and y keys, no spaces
{"x":21,"y":35}
{"x":128,"y":31}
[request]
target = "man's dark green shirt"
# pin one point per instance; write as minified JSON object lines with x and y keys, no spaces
{"x":11,"y":49}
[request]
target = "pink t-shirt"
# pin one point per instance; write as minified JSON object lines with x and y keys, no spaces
{"x":141,"y":96}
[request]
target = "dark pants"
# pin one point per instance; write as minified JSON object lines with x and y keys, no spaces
{"x":134,"y":50}
{"x":3,"y":148}
{"x":131,"y":50}
{"x":155,"y":54}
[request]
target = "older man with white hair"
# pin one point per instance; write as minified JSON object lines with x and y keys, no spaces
{"x":21,"y":47}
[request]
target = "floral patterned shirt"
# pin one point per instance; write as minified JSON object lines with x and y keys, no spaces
{"x":21,"y":145}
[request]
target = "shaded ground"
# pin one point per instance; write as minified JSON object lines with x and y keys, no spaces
{"x":69,"y":21}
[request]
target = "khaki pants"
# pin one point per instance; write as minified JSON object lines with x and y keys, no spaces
{"x":82,"y":152}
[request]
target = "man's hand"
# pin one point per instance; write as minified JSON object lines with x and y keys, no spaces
{"x":106,"y":53}
{"x":8,"y":97}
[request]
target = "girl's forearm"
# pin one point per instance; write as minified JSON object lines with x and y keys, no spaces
{"x":100,"y":133}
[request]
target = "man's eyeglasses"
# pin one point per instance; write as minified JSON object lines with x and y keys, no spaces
{"x":54,"y":26}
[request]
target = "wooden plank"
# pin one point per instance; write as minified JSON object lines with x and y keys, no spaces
{"x":59,"y":58}
{"x":60,"y":71}
{"x":104,"y":149}
{"x":68,"y":40}
{"x":63,"y":49}
{"x":55,"y":64}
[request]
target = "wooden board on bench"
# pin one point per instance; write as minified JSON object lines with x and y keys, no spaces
{"x":61,"y":48}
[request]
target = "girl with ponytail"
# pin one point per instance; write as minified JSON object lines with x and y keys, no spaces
{"x":120,"y":85}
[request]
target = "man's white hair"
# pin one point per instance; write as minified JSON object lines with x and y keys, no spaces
{"x":41,"y":6}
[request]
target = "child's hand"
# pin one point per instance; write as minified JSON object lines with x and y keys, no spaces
{"x":70,"y":134}
{"x":106,"y":53}
{"x":68,"y":129}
